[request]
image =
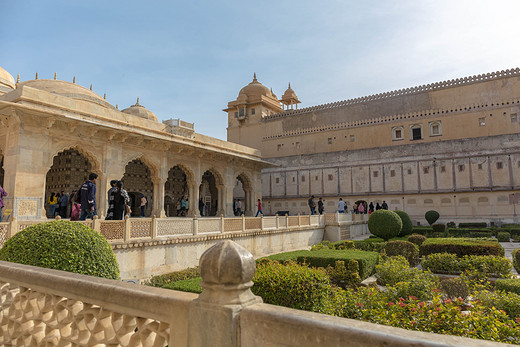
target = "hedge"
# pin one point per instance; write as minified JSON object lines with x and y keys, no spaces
{"x":62,"y":245}
{"x":470,"y":232}
{"x":325,"y":257}
{"x":403,"y":248}
{"x":508,"y":284}
{"x":473,"y":225}
{"x":503,"y":236}
{"x":487,"y":265}
{"x":407,"y":223}
{"x":370,"y":246}
{"x":422,"y":230}
{"x":162,"y":280}
{"x":461,"y":247}
{"x":516,"y":259}
{"x":191,"y":285}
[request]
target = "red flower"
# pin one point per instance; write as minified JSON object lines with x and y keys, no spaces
{"x":360,"y":304}
{"x":517,"y":320}
{"x":460,"y":299}
{"x":448,"y":301}
{"x":411,"y":297}
{"x":390,"y":304}
{"x":401,"y":299}
{"x":435,"y":313}
{"x":421,"y":304}
{"x":436,"y":290}
{"x":402,"y":304}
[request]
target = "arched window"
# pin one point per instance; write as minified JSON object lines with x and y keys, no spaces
{"x":397,"y":133}
{"x":416,"y":132}
{"x":435,"y":128}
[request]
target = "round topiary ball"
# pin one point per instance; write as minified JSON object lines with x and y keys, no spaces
{"x":407,"y":228}
{"x":431,"y":216}
{"x":385,"y":224}
{"x":62,"y":245}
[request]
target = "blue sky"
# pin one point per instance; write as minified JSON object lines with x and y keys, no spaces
{"x":187,"y":59}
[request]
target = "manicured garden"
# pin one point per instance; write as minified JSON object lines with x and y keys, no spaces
{"x":456,"y":284}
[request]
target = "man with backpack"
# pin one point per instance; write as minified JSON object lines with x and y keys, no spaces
{"x":87,"y":197}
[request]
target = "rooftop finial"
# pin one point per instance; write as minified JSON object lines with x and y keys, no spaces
{"x":91,"y":86}
{"x":105,"y":96}
{"x":74,"y":80}
{"x":289,"y":85}
{"x":137,"y":103}
{"x":55,"y":76}
{"x":117,"y":107}
{"x":254,"y":77}
{"x":36,"y":76}
{"x":18,"y":78}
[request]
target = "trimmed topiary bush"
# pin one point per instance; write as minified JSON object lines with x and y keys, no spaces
{"x":431,"y":216}
{"x":503,"y":237}
{"x":485,"y":265}
{"x":508,"y":285}
{"x":405,"y":249}
{"x":407,"y":223}
{"x":461,"y":247}
{"x":455,"y":288}
{"x":516,"y":259}
{"x":162,"y":280}
{"x":473,"y":225}
{"x":416,"y":239}
{"x":62,"y":245}
{"x":439,"y":228}
{"x":385,"y":224}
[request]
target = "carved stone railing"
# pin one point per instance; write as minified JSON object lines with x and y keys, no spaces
{"x":43,"y":307}
{"x":157,"y":228}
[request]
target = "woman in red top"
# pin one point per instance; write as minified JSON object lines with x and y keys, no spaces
{"x":259,"y":208}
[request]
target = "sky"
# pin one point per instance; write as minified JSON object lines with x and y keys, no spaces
{"x":188,"y":59}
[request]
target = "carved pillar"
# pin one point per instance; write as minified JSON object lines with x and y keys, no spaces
{"x":193,"y":188}
{"x":158,"y":197}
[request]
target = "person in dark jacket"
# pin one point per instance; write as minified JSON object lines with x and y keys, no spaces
{"x":88,"y":197}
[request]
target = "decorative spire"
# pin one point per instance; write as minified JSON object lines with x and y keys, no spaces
{"x":289,"y":85}
{"x":36,"y":76}
{"x":254,"y":77}
{"x":117,"y":107}
{"x":104,"y":96}
{"x":55,"y":76}
{"x":91,"y":86}
{"x":74,"y":80}
{"x":18,"y":78}
{"x":137,"y":103}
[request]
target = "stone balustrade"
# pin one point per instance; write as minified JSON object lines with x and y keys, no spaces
{"x":117,"y":231}
{"x":43,"y":307}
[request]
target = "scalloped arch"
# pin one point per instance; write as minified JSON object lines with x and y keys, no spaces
{"x":190,"y":177}
{"x":96,"y":167}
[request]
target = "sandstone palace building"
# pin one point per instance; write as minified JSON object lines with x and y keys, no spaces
{"x":451,"y":146}
{"x":54,"y":133}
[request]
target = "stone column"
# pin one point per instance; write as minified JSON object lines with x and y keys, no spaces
{"x":227,"y":270}
{"x":193,"y":189}
{"x":158,"y":198}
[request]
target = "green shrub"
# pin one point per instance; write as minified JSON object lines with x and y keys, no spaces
{"x":508,"y":285}
{"x":455,"y":288}
{"x":431,"y":216}
{"x":508,"y":302}
{"x":438,"y":228}
{"x":191,"y":285}
{"x":404,"y":248}
{"x":422,"y":230}
{"x":162,"y":280}
{"x":293,"y":285}
{"x":407,"y":223}
{"x":369,"y":246}
{"x":516,"y":259}
{"x":486,"y":265}
{"x":62,"y":245}
{"x":393,"y":270}
{"x":451,"y":225}
{"x":420,"y":286}
{"x":473,"y":225}
{"x":480,"y":234}
{"x":325,"y":257}
{"x":503,"y":237}
{"x":344,"y":276}
{"x":510,"y":226}
{"x":385,"y":224}
{"x":416,"y":239}
{"x":461,"y":247}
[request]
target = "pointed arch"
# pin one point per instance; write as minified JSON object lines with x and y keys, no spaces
{"x":94,"y":162}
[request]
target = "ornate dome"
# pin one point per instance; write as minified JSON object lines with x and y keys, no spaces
{"x":255,"y":89}
{"x":6,"y":80}
{"x":289,"y":93}
{"x":140,"y":111}
{"x":67,"y":89}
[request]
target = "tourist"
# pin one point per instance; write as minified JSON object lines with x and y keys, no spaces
{"x":259,"y":208}
{"x":321,"y":206}
{"x":341,"y":206}
{"x":239,"y":207}
{"x":2,"y":194}
{"x":112,"y":188}
{"x":118,"y":202}
{"x":201,"y":207}
{"x":64,"y":203}
{"x":312,"y":205}
{"x":183,"y":207}
{"x":371,"y":208}
{"x":234,"y":207}
{"x":384,"y":206}
{"x":143,"y":204}
{"x":87,"y":196}
{"x":75,"y":206}
{"x":53,"y":203}
{"x":355,"y":208}
{"x":361,"y":208}
{"x":378,"y":207}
